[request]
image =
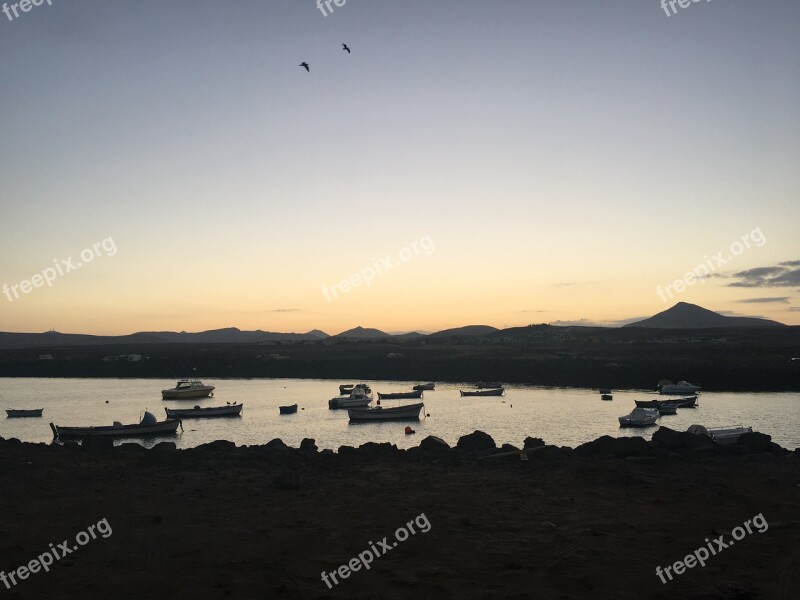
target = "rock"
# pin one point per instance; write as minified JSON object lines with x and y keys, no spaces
{"x":288,"y":480}
{"x":532,"y":442}
{"x":550,"y":451}
{"x":508,"y":448}
{"x":755,"y":442}
{"x":308,"y":445}
{"x":477,"y":441}
{"x":327,"y":452}
{"x":217,"y":445}
{"x":276,"y":443}
{"x":347,"y":451}
{"x":777,"y":450}
{"x":373,"y":449}
{"x":434,"y":445}
{"x":165,"y":446}
{"x":680,"y":440}
{"x":619,"y":447}
{"x":96,"y":442}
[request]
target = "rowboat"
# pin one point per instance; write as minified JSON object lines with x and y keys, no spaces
{"x":483,"y":385}
{"x":24,"y":414}
{"x":495,"y":392}
{"x":400,"y":395}
{"x":187,"y":389}
{"x":425,"y":387}
{"x":232,"y":410}
{"x":288,"y":410}
{"x":682,"y":387}
{"x":148,"y":427}
{"x":606,"y":397}
{"x":358,"y":398}
{"x":688,"y":402}
{"x":409,"y":412}
{"x":639,"y":417}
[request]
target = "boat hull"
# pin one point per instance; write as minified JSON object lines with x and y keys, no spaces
{"x":336,"y":403}
{"x":288,"y":410}
{"x":170,"y":426}
{"x":24,"y":414}
{"x":401,"y":395}
{"x":211,"y":412}
{"x":497,"y":392}
{"x":186,"y":394}
{"x":689,"y":402}
{"x":401,"y":413}
{"x":425,"y":387}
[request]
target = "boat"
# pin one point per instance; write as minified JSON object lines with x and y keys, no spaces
{"x":347,"y":388}
{"x":149,"y":426}
{"x":13,"y":413}
{"x":667,"y":409}
{"x":425,"y":387}
{"x":231,"y":410}
{"x":606,"y":397}
{"x":483,"y":385}
{"x":722,"y":435}
{"x":604,"y":390}
{"x":688,"y":402}
{"x":400,"y":413}
{"x":400,"y":395}
{"x":288,"y":410}
{"x":360,"y":397}
{"x":682,"y":387}
{"x":639,"y":417}
{"x":496,"y":392}
{"x":186,"y":389}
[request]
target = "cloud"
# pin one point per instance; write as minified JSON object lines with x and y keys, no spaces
{"x":285,"y":310}
{"x":783,"y":275}
{"x":779,"y":300}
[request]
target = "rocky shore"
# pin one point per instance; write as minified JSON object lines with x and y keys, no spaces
{"x":533,"y":521}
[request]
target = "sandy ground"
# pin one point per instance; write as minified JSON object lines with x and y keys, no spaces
{"x":258,"y":523}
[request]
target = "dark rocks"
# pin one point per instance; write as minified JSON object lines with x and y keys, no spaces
{"x":289,"y":480}
{"x":165,"y":446}
{"x":376,"y":450}
{"x":96,"y":442}
{"x":308,"y":445}
{"x":477,"y":441}
{"x":276,"y":444}
{"x":327,"y":452}
{"x":755,"y":442}
{"x":618,"y":447}
{"x":217,"y":446}
{"x":550,"y":451}
{"x":347,"y":451}
{"x":434,"y":445}
{"x":532,"y":442}
{"x":508,"y":448}
{"x":670,"y":439}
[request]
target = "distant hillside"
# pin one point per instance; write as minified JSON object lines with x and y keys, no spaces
{"x":691,"y":316}
{"x":361,"y":333}
{"x":469,"y":330}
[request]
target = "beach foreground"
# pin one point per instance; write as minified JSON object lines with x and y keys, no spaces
{"x":264,"y":522}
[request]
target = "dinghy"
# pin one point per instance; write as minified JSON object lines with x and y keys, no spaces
{"x":13,"y":413}
{"x":149,"y":426}
{"x":231,"y":410}
{"x":401,"y":413}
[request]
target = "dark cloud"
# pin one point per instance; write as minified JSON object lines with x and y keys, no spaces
{"x":766,"y":277}
{"x":781,"y":300}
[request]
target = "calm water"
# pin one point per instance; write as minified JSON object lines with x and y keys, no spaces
{"x":559,"y":416}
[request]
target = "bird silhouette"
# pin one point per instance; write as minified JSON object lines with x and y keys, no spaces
{"x":345,"y":48}
{"x":305,"y":66}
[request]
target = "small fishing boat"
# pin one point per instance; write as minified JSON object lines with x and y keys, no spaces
{"x":484,"y":385}
{"x":667,"y":409}
{"x":147,"y":427}
{"x":400,"y":395}
{"x":666,"y":387}
{"x":639,"y":417}
{"x":409,"y":412}
{"x":606,"y":397}
{"x":13,"y":413}
{"x":495,"y":392}
{"x":358,"y":398}
{"x":231,"y":410}
{"x":187,"y":389}
{"x":689,"y":402}
{"x":347,"y":388}
{"x":722,"y":435}
{"x":425,"y":387}
{"x":288,"y":410}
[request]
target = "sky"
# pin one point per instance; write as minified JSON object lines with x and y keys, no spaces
{"x":500,"y":163}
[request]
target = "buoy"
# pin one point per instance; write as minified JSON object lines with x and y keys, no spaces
{"x":409,"y":431}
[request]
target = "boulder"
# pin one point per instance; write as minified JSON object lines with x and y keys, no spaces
{"x":374,"y":449}
{"x":347,"y":451}
{"x":550,"y":451}
{"x":165,"y":446}
{"x":288,"y":480}
{"x":477,"y":441}
{"x":508,"y":448}
{"x":434,"y":445}
{"x":532,"y":442}
{"x":217,"y":446}
{"x":96,"y":442}
{"x":618,"y":447}
{"x":755,"y":441}
{"x":308,"y":445}
{"x":276,"y":444}
{"x":670,"y":439}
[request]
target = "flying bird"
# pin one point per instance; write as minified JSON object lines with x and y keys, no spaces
{"x":305,"y":66}
{"x":345,"y":48}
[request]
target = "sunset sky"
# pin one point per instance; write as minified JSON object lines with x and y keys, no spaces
{"x":552,"y":161}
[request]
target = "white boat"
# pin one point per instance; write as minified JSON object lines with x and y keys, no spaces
{"x":186,"y":389}
{"x":682,"y":388}
{"x":231,"y":410}
{"x":360,"y":397}
{"x":410,"y":412}
{"x":639,"y":417}
{"x":722,"y":435}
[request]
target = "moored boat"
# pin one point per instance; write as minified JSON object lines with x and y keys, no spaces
{"x":13,"y":413}
{"x":639,"y":417}
{"x":187,"y":389}
{"x":682,"y":387}
{"x":288,"y":410}
{"x":358,"y":398}
{"x":689,"y":402}
{"x":400,"y":395}
{"x":347,"y":388}
{"x":722,"y":435}
{"x":400,"y":413}
{"x":231,"y":410}
{"x":425,"y":387}
{"x":494,"y":392}
{"x":485,"y":385}
{"x":606,"y":397}
{"x":667,"y":409}
{"x":605,"y":390}
{"x":149,"y":426}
